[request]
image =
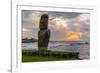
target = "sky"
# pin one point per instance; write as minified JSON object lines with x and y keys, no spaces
{"x":64,"y":26}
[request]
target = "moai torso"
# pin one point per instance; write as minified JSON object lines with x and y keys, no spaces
{"x":44,"y":33}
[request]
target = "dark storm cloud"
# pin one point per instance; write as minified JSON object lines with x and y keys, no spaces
{"x":64,"y":14}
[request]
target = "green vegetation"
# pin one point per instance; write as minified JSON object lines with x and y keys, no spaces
{"x":37,"y":56}
{"x":40,"y":59}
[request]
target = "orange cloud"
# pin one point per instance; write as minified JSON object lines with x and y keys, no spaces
{"x":73,"y":36}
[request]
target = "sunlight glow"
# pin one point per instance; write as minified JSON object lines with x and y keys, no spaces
{"x":74,"y":36}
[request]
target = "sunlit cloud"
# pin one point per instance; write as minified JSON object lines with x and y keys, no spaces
{"x":60,"y":23}
{"x":73,"y":36}
{"x":25,"y":30}
{"x":84,"y":17}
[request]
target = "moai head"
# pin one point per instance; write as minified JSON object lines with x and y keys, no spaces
{"x":44,"y":22}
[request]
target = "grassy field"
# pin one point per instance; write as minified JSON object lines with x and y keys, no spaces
{"x":39,"y":59}
{"x":29,"y":56}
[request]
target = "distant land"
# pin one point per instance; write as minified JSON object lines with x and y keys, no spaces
{"x":26,"y":40}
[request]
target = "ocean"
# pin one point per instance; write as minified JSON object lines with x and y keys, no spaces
{"x":83,"y":49}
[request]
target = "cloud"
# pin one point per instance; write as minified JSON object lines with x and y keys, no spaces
{"x":84,"y":17}
{"x":30,"y":23}
{"x":60,"y":24}
{"x":79,"y":25}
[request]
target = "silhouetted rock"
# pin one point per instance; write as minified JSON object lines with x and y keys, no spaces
{"x":44,"y":33}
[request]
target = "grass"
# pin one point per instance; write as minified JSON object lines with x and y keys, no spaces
{"x":36,"y":56}
{"x":40,"y":59}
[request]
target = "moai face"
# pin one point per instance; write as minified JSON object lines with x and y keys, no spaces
{"x":44,"y":22}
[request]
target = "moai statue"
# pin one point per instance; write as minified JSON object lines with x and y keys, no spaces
{"x":44,"y":33}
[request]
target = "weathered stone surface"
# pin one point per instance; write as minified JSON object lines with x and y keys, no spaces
{"x":44,"y":22}
{"x":44,"y":33}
